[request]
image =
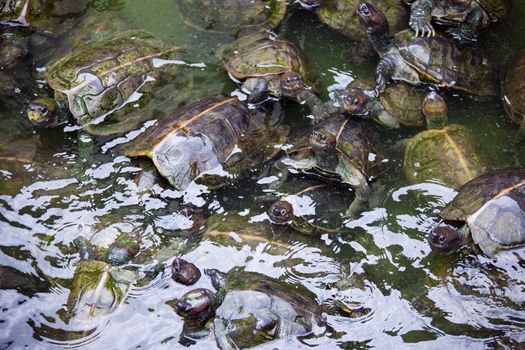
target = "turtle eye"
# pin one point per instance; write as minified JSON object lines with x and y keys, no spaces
{"x":283,"y":212}
{"x":323,"y":137}
{"x":44,"y":110}
{"x":442,"y":239}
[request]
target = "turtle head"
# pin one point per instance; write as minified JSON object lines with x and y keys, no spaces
{"x":435,"y":110}
{"x":355,"y":102}
{"x":196,"y":306}
{"x":371,"y":19}
{"x":291,"y":82}
{"x":448,"y":237}
{"x":44,"y":113}
{"x":281,"y":212}
{"x":322,"y":142}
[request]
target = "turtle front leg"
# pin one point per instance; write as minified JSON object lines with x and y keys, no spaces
{"x":257,"y":89}
{"x":384,"y":71}
{"x":468,"y":31}
{"x":319,"y":109}
{"x":355,"y":178}
{"x":420,"y":17}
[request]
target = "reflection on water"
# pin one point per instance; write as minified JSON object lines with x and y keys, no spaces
{"x":59,"y":185}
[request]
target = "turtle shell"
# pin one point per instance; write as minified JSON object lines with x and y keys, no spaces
{"x":231,"y":16}
{"x":258,"y":309}
{"x":448,"y":155}
{"x":340,"y":15}
{"x":404,"y":103}
{"x":513,"y":88}
{"x":444,"y":62}
{"x":495,"y":9}
{"x":356,"y":143}
{"x":314,"y":208}
{"x":257,"y":55}
{"x":97,"y":78}
{"x":493,"y":205}
{"x":214,"y":139}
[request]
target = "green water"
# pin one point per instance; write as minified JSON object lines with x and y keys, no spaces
{"x":57,"y":185}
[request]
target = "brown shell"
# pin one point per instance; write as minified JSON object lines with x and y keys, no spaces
{"x":215,"y":134}
{"x":443,"y":61}
{"x":513,"y":88}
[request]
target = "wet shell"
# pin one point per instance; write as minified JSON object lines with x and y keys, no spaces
{"x":444,"y":62}
{"x":215,"y":139}
{"x":513,"y":88}
{"x":493,"y":205}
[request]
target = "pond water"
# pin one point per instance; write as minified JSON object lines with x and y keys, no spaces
{"x":60,"y":184}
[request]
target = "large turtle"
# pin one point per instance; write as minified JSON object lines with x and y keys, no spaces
{"x":467,"y":17}
{"x":231,"y":16}
{"x":96,"y":79}
{"x":513,"y":89}
{"x":446,"y":153}
{"x":251,"y":309}
{"x":309,"y":207}
{"x":212,"y":140}
{"x":339,"y":149}
{"x":399,"y":104}
{"x":271,"y":66}
{"x":411,"y":59}
{"x":488,"y":210}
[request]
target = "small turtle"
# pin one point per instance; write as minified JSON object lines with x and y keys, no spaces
{"x":513,"y":89}
{"x":271,"y":66}
{"x":339,"y":149}
{"x":98,"y":78}
{"x":399,"y":104}
{"x":446,"y":153}
{"x":251,"y":309}
{"x":466,"y":17}
{"x":231,"y":16}
{"x":212,"y":140}
{"x":310,"y":207}
{"x":488,"y":210}
{"x":436,"y":59}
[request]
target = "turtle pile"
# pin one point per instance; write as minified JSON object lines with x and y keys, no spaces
{"x":154,"y":146}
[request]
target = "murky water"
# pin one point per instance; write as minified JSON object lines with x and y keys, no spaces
{"x":58,"y":185}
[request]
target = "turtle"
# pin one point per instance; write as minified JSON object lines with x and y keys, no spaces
{"x":268,"y":65}
{"x":213,"y":140}
{"x":231,"y":16}
{"x":184,"y":272}
{"x":437,"y":59}
{"x":250,"y":309}
{"x":466,"y":17}
{"x":340,"y":15}
{"x":13,"y":46}
{"x":399,"y":104}
{"x":120,"y":252}
{"x":338,"y":149}
{"x":309,"y":207}
{"x":97,"y":288}
{"x":489,"y":211}
{"x":98,"y":78}
{"x":446,"y":153}
{"x":513,"y":89}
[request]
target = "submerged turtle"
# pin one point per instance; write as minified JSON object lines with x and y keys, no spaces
{"x":399,"y":104}
{"x":467,"y":17}
{"x":252,"y":309}
{"x":513,"y":89}
{"x":436,"y":59}
{"x":488,"y":210}
{"x":231,"y":16}
{"x":271,"y":66}
{"x":446,"y":153}
{"x":340,"y":15}
{"x":340,"y":149}
{"x":213,"y":140}
{"x":97,"y":289}
{"x":312,"y":207}
{"x":98,"y":78}
{"x":13,"y":46}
